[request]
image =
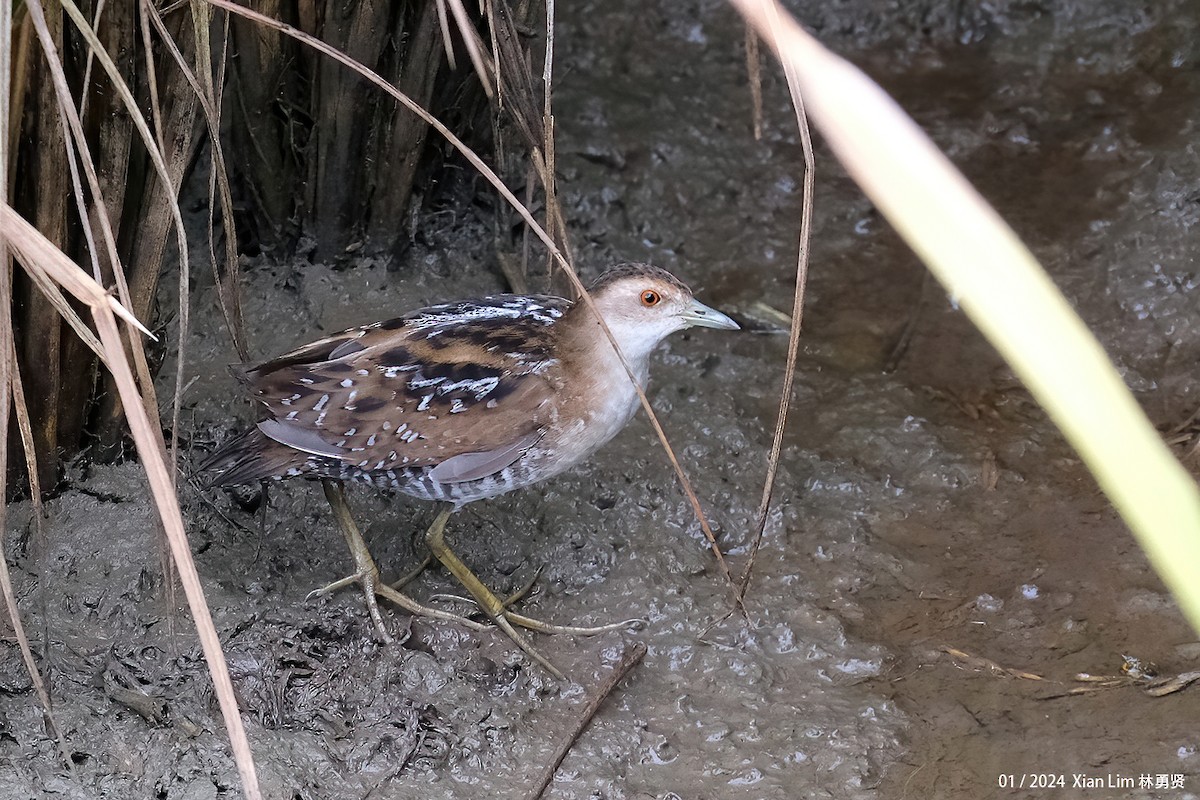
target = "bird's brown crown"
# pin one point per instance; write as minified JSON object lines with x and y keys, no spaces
{"x":633,"y":270}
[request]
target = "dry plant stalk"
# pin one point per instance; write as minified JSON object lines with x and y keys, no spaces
{"x":104,"y":167}
{"x":201,"y":84}
{"x":544,"y":161}
{"x":980,"y":663}
{"x":754,"y":73}
{"x":516,"y":99}
{"x":50,"y":271}
{"x":630,"y":658}
{"x":793,"y":352}
{"x":470,"y":39}
{"x":76,"y":145}
{"x":12,"y":391}
{"x":38,"y":255}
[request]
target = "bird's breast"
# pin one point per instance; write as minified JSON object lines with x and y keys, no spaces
{"x":600,"y":402}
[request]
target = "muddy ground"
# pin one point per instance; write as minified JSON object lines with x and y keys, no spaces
{"x":923,"y":510}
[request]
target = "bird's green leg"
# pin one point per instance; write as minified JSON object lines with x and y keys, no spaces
{"x":491,"y":605}
{"x":367,"y":573}
{"x":497,"y":609}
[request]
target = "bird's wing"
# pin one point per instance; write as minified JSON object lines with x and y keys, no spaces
{"x":465,"y":387}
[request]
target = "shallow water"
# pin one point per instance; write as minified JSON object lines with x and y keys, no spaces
{"x":926,"y":508}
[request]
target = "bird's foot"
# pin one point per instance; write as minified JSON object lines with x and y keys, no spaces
{"x":573,"y":630}
{"x":538,"y":625}
{"x":547,"y":627}
{"x":366,"y":573}
{"x":496,"y":609}
{"x":373,"y":588}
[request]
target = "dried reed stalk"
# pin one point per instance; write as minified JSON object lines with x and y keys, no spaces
{"x":37,"y":254}
{"x":793,"y":352}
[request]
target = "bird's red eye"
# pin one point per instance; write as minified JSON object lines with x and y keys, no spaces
{"x":650,"y":298}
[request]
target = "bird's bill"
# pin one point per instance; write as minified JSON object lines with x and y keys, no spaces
{"x":701,"y":316}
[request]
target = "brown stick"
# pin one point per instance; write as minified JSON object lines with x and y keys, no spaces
{"x":754,"y":73}
{"x":629,"y":659}
{"x":11,"y":390}
{"x":789,"y":370}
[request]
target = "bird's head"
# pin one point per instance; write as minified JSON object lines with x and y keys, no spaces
{"x":642,"y":305}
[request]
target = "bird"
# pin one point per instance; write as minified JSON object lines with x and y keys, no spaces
{"x":456,"y":403}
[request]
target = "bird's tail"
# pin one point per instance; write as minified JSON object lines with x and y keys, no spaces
{"x":250,"y":458}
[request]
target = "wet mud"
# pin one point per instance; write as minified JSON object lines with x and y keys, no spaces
{"x":938,"y":566}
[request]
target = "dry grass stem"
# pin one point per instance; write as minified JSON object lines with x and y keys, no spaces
{"x":545,"y":164}
{"x":12,"y":389}
{"x":980,"y":664}
{"x":123,"y":90}
{"x":76,"y":143}
{"x":11,"y":392}
{"x":536,"y":126}
{"x":228,"y":284}
{"x":90,"y":60}
{"x":77,"y":191}
{"x":472,"y":42}
{"x":14,"y":616}
{"x":73,"y":123}
{"x":754,"y":74}
{"x":789,"y":371}
{"x":201,"y":84}
{"x":447,"y":42}
{"x":156,"y":158}
{"x":37,"y":254}
{"x":523,"y":212}
{"x":489,"y":7}
{"x":18,"y":69}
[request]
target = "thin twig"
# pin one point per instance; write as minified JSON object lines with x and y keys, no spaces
{"x":14,"y":616}
{"x":86,"y":86}
{"x":25,"y":429}
{"x":754,"y":74}
{"x":72,"y":154}
{"x":11,"y":390}
{"x":554,"y":221}
{"x":472,"y":42}
{"x":789,"y":371}
{"x":164,"y":552}
{"x":910,"y":327}
{"x":490,"y":13}
{"x":632,"y":656}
